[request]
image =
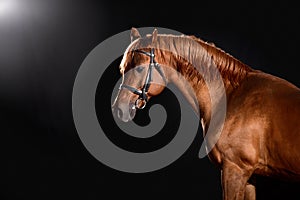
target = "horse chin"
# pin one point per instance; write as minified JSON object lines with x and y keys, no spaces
{"x":129,"y":117}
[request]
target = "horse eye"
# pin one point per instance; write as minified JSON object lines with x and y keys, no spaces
{"x":139,"y":69}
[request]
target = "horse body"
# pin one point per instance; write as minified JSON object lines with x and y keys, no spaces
{"x":261,"y":134}
{"x":267,"y":114}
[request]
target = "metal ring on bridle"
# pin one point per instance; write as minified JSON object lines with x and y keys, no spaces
{"x":138,"y":101}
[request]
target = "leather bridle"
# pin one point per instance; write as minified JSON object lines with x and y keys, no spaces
{"x":142,"y":93}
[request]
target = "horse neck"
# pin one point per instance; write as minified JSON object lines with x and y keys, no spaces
{"x":210,"y":72}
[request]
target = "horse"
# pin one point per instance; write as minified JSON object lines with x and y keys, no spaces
{"x":261,"y":132}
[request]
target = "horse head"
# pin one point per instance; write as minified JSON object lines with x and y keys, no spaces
{"x":142,"y":76}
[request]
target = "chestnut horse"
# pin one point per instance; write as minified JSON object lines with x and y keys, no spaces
{"x":261,"y":133}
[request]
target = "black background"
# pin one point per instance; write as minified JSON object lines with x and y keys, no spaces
{"x":42,"y":45}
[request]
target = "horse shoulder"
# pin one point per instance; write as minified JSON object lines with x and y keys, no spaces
{"x":265,"y":114}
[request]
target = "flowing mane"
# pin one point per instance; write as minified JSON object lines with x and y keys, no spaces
{"x":230,"y":68}
{"x":193,"y":53}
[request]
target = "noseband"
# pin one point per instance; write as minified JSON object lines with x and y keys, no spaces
{"x":142,"y":93}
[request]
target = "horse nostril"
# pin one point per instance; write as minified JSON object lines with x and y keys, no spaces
{"x":119,"y":113}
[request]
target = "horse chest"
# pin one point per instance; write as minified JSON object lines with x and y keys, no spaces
{"x":236,"y":145}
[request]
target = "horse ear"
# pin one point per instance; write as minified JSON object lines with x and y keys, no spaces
{"x":134,"y":34}
{"x":154,"y":36}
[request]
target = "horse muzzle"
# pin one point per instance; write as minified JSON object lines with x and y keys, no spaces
{"x":124,"y":112}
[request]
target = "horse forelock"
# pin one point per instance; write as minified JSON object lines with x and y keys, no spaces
{"x":126,"y":56}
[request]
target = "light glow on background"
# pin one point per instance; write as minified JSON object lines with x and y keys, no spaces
{"x":8,"y":7}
